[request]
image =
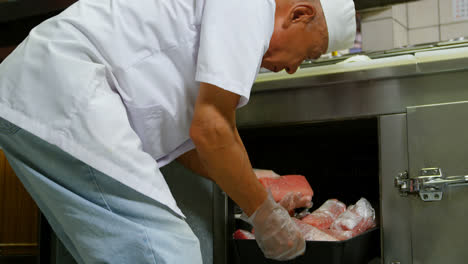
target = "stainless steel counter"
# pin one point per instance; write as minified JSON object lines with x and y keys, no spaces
{"x":380,"y":87}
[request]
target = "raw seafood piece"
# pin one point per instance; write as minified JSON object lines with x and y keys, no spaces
{"x":265,"y":173}
{"x":324,"y":216}
{"x":357,"y":218}
{"x":243,"y":234}
{"x":283,"y":185}
{"x":311,"y":233}
{"x":339,"y":234}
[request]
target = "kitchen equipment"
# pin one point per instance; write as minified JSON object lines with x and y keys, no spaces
{"x":355,"y":130}
{"x":356,"y":250}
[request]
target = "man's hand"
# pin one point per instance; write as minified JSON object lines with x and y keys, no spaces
{"x":276,"y":233}
{"x":293,"y":200}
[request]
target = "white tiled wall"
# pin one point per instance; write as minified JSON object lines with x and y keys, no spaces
{"x":423,"y":13}
{"x":410,"y":24}
{"x":449,"y":27}
{"x":377,"y":14}
{"x":423,"y":35}
{"x":400,"y":35}
{"x":385,"y":28}
{"x":445,"y":11}
{"x":381,"y":34}
{"x":452,"y":31}
{"x":400,"y":14}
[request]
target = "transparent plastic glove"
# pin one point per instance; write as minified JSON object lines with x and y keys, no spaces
{"x":276,"y":233}
{"x":265,"y":173}
{"x":295,"y":200}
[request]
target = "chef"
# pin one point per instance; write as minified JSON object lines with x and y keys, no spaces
{"x":98,"y":98}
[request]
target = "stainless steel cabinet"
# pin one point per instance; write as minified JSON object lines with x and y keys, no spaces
{"x":395,"y":211}
{"x":422,"y":113}
{"x":417,"y":231}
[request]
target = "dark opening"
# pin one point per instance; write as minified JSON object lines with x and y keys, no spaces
{"x":340,"y":159}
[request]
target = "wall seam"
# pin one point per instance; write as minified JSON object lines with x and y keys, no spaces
{"x":438,"y":13}
{"x":407,"y":29}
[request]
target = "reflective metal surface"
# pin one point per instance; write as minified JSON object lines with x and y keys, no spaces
{"x":437,"y":136}
{"x":354,"y":94}
{"x":420,"y":123}
{"x":220,"y":226}
{"x":430,"y":185}
{"x":352,"y":99}
{"x":395,"y":210}
{"x":399,"y":51}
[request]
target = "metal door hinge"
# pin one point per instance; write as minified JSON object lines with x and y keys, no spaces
{"x":430,"y":184}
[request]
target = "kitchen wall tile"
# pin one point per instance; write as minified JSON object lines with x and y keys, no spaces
{"x":400,"y":14}
{"x":445,"y":7}
{"x":423,"y":35}
{"x":397,"y":12}
{"x":452,"y":31}
{"x":377,"y":34}
{"x":377,"y":14}
{"x":446,"y":12}
{"x":423,"y":13}
{"x":400,"y":35}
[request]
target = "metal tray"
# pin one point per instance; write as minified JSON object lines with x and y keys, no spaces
{"x":357,"y":250}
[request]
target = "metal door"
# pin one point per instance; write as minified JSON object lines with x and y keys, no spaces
{"x":438,"y":137}
{"x":395,"y":210}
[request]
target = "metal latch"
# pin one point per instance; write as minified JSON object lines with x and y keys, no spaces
{"x":430,"y":184}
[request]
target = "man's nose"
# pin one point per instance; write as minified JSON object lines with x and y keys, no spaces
{"x":292,"y":69}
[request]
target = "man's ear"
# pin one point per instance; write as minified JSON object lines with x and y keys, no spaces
{"x":301,"y":13}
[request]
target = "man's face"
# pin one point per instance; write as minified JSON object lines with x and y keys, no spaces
{"x":290,"y":45}
{"x":289,"y":52}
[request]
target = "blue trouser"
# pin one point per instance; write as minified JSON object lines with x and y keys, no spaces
{"x":98,"y":219}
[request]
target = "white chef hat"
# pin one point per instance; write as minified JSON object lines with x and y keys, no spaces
{"x":341,"y":23}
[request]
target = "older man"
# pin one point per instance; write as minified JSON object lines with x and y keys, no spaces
{"x":98,"y":98}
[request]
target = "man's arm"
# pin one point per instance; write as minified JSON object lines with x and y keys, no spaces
{"x":223,"y":158}
{"x":220,"y":150}
{"x":191,"y":161}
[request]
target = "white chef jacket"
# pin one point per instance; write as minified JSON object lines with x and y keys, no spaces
{"x":114,"y":82}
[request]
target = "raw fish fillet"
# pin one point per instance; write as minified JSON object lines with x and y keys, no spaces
{"x":279,"y":187}
{"x":311,"y":233}
{"x":357,"y":218}
{"x":265,"y":173}
{"x":324,"y":216}
{"x":339,"y":234}
{"x":243,"y":234}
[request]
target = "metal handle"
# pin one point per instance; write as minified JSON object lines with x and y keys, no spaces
{"x":452,"y":180}
{"x":430,"y":184}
